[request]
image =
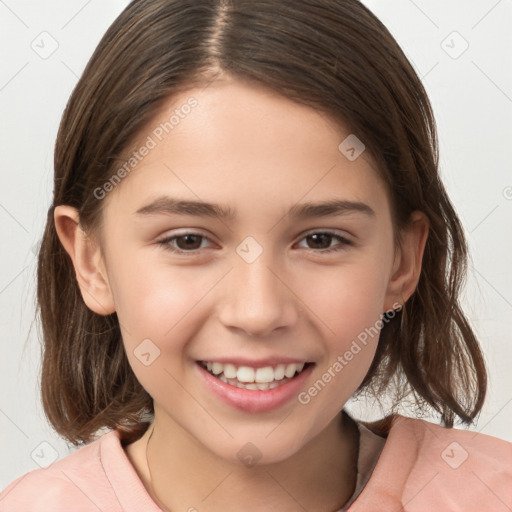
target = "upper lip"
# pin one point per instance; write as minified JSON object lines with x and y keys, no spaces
{"x":255,"y":363}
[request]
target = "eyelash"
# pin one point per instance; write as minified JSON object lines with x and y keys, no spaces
{"x":165,"y":243}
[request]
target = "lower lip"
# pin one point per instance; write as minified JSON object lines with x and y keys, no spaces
{"x":255,"y":400}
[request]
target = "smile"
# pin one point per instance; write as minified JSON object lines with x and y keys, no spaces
{"x":247,"y":377}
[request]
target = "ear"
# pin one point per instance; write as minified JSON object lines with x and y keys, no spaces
{"x":407,"y":264}
{"x":87,"y":260}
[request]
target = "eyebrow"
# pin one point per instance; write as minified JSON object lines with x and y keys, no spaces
{"x":168,"y":205}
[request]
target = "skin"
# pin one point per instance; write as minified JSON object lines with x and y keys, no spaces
{"x":259,"y":153}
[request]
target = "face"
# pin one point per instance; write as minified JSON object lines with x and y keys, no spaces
{"x":275,"y":283}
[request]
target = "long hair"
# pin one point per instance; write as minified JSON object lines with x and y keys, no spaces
{"x":334,"y":56}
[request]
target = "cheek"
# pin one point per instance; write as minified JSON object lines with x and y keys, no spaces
{"x":159,"y":308}
{"x":345,"y":299}
{"x":347,"y":302}
{"x":152,"y":298}
{"x":349,"y":309}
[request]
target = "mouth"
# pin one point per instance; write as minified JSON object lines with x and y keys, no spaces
{"x":255,"y":379}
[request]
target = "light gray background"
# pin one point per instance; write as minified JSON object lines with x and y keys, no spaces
{"x":471,"y":92}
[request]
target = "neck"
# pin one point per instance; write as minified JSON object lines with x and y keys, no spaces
{"x":181,"y":474}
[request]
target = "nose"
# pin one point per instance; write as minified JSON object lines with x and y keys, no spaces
{"x":257,"y":299}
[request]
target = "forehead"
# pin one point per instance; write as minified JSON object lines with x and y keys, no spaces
{"x":247,"y":147}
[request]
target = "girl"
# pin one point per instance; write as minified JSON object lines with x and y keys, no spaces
{"x":248,"y":228}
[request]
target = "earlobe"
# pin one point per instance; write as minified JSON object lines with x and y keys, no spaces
{"x":408,"y":261}
{"x":85,"y":253}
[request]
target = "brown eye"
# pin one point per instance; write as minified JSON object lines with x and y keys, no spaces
{"x":321,"y":242}
{"x":187,"y":243}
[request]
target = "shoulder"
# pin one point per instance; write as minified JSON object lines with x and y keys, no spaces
{"x":424,"y":466}
{"x":76,"y":482}
{"x":451,"y":448}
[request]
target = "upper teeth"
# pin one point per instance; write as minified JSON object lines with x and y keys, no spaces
{"x":261,"y":375}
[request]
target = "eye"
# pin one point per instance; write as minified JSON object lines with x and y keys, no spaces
{"x":321,"y":241}
{"x":190,"y":242}
{"x":187,"y":243}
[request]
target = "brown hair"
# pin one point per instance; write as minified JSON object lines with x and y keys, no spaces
{"x":332,"y":55}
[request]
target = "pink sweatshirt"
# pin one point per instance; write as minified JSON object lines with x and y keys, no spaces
{"x":422,"y":467}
